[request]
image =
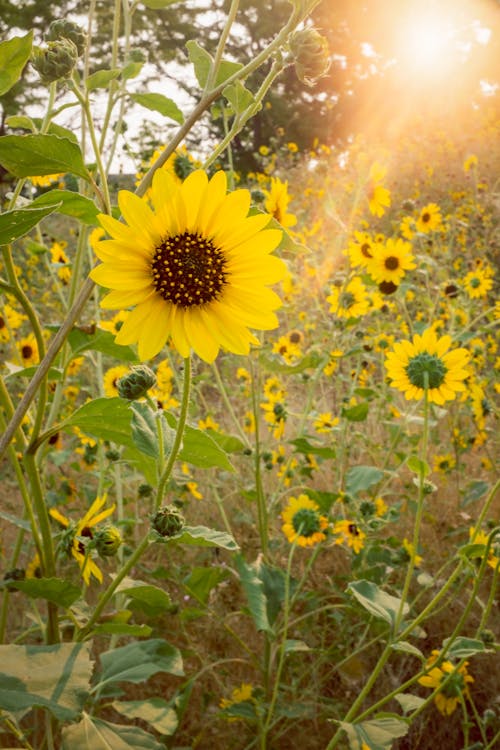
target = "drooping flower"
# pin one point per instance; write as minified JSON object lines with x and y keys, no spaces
{"x":390,"y":261}
{"x":196,"y":268}
{"x":303,"y":522}
{"x":428,"y":363}
{"x":379,"y":197}
{"x":277,"y":200}
{"x":449,"y":696}
{"x":78,"y":536}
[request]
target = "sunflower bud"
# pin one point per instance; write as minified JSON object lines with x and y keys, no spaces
{"x":168,"y":521}
{"x":137,"y":55}
{"x":311,"y":55}
{"x":108,"y":541}
{"x":62,"y":29}
{"x":16,"y":574}
{"x":56,"y":61}
{"x":137,"y":383}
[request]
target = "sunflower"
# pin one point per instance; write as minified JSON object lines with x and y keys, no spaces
{"x":477,"y":536}
{"x":429,"y":219}
{"x":379,"y":197}
{"x":390,"y":261}
{"x":349,"y":533}
{"x":111,"y":378}
{"x":277,"y":200}
{"x":196,"y":267}
{"x":426,"y":362}
{"x":478,"y":283}
{"x":79,"y":534}
{"x":304,"y":525}
{"x":448,"y":698}
{"x":360,"y":249}
{"x":350,"y":301}
{"x":28,"y":350}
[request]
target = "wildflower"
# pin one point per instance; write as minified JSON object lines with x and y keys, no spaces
{"x":360,"y":250}
{"x":444,"y":463}
{"x":349,"y":533}
{"x":379,"y":197}
{"x":286,"y":349}
{"x":208,"y":424}
{"x":10,"y":321}
{"x":28,"y":350}
{"x":325,"y":422}
{"x":381,"y":507}
{"x":241,"y":695}
{"x":333,"y":363}
{"x":249,"y":422}
{"x":427,"y":364}
{"x":477,"y":283}
{"x":470,"y":163}
{"x":168,"y":521}
{"x":350,"y":301}
{"x":277,"y":200}
{"x":273,"y":389}
{"x":390,"y":261}
{"x":197,"y":268}
{"x":275,"y":415}
{"x":304,"y":525}
{"x":409,"y":549}
{"x":429,"y":219}
{"x":74,"y":366}
{"x":78,"y":536}
{"x":448,"y":698}
{"x":111,"y":378}
{"x":480,"y":537}
{"x":116,"y":322}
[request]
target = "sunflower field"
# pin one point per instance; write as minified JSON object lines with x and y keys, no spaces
{"x":248,"y":421}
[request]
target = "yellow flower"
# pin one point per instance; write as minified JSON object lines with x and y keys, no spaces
{"x":115,"y":323}
{"x":57,"y":254}
{"x":426,"y":362}
{"x":390,"y":261}
{"x":325,"y":422}
{"x":429,"y":219}
{"x":477,"y":283}
{"x":111,"y":378}
{"x":480,"y":537}
{"x":408,"y":547}
{"x":470,"y":162}
{"x":208,"y":424}
{"x":81,"y":532}
{"x":381,"y":507}
{"x":350,"y":301}
{"x":10,"y":321}
{"x":360,"y":250}
{"x":448,"y":698}
{"x":304,"y":525}
{"x":277,"y":200}
{"x":379,"y":198}
{"x":28,"y":350}
{"x":349,"y":533}
{"x":46,"y":180}
{"x":197,"y":268}
{"x":243,"y":694}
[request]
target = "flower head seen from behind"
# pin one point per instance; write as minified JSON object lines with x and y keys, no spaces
{"x":195,"y":267}
{"x":303,"y":522}
{"x":427,"y":362}
{"x":448,"y":698}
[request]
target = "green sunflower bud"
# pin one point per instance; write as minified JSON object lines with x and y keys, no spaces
{"x":62,"y":29}
{"x":137,"y":55}
{"x":168,"y":521}
{"x":487,"y":637}
{"x":145,"y":490}
{"x":137,"y":383}
{"x":108,"y":541}
{"x":311,"y":55}
{"x":56,"y":61}
{"x":16,"y":574}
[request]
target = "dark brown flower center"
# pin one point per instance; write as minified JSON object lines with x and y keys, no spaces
{"x":365,"y":250}
{"x":26,"y":351}
{"x":188,"y":270}
{"x":426,"y":217}
{"x":391,"y":263}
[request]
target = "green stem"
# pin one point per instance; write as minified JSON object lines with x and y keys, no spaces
{"x":261,"y":499}
{"x":214,"y":68}
{"x":228,"y":404}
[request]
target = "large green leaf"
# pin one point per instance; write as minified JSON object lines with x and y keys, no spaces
{"x":96,"y":734}
{"x":200,"y":449}
{"x":14,"y":54}
{"x":361,"y":478}
{"x":99,"y":341}
{"x":15,"y":224}
{"x":463,"y":648}
{"x":139,"y":661}
{"x":377,"y":734}
{"x":105,"y":418}
{"x":238,"y":96}
{"x":156,"y":711}
{"x":71,"y":204}
{"x":200,"y":581}
{"x":160,"y":103}
{"x":254,"y":590}
{"x":145,"y":430}
{"x":145,"y":597}
{"x":35,"y":155}
{"x":376,"y":601}
{"x":201,"y":60}
{"x":101,"y":78}
{"x":201,"y":536}
{"x":55,"y":590}
{"x":53,"y":677}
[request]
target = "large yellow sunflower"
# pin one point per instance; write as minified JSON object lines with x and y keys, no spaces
{"x":390,"y":261}
{"x":196,"y":267}
{"x":304,"y":525}
{"x":427,"y":362}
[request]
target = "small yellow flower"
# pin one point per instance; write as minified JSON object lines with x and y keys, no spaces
{"x":349,"y":533}
{"x":111,"y":378}
{"x":381,"y":507}
{"x":429,"y":219}
{"x":408,"y":547}
{"x":208,"y":424}
{"x":480,"y":537}
{"x":277,"y":200}
{"x":478,"y":283}
{"x":303,"y":522}
{"x":390,"y":261}
{"x":350,"y":301}
{"x":448,"y":698}
{"x":379,"y":197}
{"x":28,"y":350}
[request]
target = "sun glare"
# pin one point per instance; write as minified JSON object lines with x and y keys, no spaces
{"x":425,"y":43}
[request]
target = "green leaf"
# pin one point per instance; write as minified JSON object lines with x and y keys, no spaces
{"x":202,"y":61}
{"x":293,"y":645}
{"x":463,"y":648}
{"x":105,"y":418}
{"x":199,"y":449}
{"x":304,"y":446}
{"x":144,"y":597}
{"x":35,"y":155}
{"x":123,"y":628}
{"x":160,"y":103}
{"x":53,"y":677}
{"x":474,"y":491}
{"x":99,"y":341}
{"x":137,"y":662}
{"x":227,"y":68}
{"x":377,"y":602}
{"x":22,"y":122}
{"x":200,"y":582}
{"x":378,"y":734}
{"x":238,"y":96}
{"x":408,"y":648}
{"x":409,"y":702}
{"x":98,"y":734}
{"x":361,"y":478}
{"x":15,"y":224}
{"x":156,"y":711}
{"x":310,"y":361}
{"x":158,"y":4}
{"x":101,"y":78}
{"x":71,"y":204}
{"x":56,"y":590}
{"x":228,"y":443}
{"x":201,"y":536}
{"x":254,"y":590}
{"x":20,"y":522}
{"x":356,"y":413}
{"x":14,"y":54}
{"x":145,"y":430}
{"x":273,"y":580}
{"x":419,"y":467}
